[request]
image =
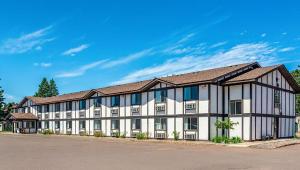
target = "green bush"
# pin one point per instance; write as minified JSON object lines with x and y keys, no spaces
{"x":141,"y":136}
{"x":47,"y":132}
{"x":68,"y":133}
{"x":236,"y":140}
{"x":83,"y":133}
{"x":176,"y":135}
{"x":99,"y":134}
{"x":226,"y":140}
{"x":123,"y":135}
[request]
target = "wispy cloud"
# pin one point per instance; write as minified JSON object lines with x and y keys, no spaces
{"x":128,"y":58}
{"x":81,"y":70}
{"x":263,"y":35}
{"x":26,"y":42}
{"x":45,"y":65}
{"x":9,"y":97}
{"x":261,"y":52}
{"x":284,"y":33}
{"x":74,"y":51}
{"x":219,"y":44}
{"x":287,"y":49}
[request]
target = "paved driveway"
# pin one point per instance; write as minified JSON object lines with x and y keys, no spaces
{"x":69,"y":152}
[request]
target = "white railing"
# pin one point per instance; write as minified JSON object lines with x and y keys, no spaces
{"x":114,"y":112}
{"x":135,"y":111}
{"x":160,"y":109}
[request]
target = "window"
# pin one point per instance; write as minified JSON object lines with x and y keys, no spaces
{"x":277,"y":99}
{"x":68,"y":106}
{"x":115,"y":101}
{"x":39,"y":109}
{"x":28,"y":110}
{"x":32,"y":124}
{"x":23,"y":110}
{"x":97,"y":124}
{"x":97,"y":102}
{"x":57,"y":124}
{"x":235,"y":107}
{"x":161,"y":124}
{"x":190,"y":123}
{"x":69,"y":124}
{"x":136,"y":124}
{"x":160,"y":96}
{"x":82,"y":105}
{"x":115,"y":124}
{"x":82,"y":124}
{"x":46,"y":124}
{"x":46,"y":107}
{"x":191,"y":93}
{"x":57,"y":107}
{"x":136,"y":99}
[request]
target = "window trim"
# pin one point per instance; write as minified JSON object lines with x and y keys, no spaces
{"x":111,"y":101}
{"x":190,"y":126}
{"x":81,"y":106}
{"x":163,"y":98}
{"x":191,"y":93}
{"x":160,"y":121}
{"x":111,"y":126}
{"x":134,"y":120}
{"x":139,"y":101}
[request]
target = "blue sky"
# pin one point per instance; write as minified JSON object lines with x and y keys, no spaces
{"x":90,"y":44}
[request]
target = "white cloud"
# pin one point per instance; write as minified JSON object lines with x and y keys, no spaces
{"x":128,"y":58}
{"x":44,"y":65}
{"x":284,"y":33}
{"x":287,"y":49}
{"x":242,"y":53}
{"x":263,"y":35}
{"x":218,"y":44}
{"x":74,"y":51}
{"x":26,"y":42}
{"x":9,"y":97}
{"x":81,"y":70}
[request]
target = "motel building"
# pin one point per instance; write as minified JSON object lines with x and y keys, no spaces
{"x":260,"y":99}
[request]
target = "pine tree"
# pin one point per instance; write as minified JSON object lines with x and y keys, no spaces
{"x":53,"y":91}
{"x":296,"y":75}
{"x":43,"y":90}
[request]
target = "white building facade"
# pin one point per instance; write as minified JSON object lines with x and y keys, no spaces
{"x":260,"y":99}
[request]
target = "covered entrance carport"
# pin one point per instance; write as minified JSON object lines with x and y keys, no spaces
{"x":23,"y":122}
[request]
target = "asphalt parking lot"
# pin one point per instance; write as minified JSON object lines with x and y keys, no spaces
{"x":71,"y":152}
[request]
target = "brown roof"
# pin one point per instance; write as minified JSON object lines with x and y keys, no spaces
{"x":177,"y":80}
{"x":253,"y":74}
{"x":23,"y":116}
{"x":259,"y":72}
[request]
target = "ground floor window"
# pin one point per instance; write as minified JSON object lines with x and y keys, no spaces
{"x":32,"y":124}
{"x":190,"y":123}
{"x":136,"y":124}
{"x":235,"y":107}
{"x":97,"y":124}
{"x":115,"y":124}
{"x":46,"y":125}
{"x":57,"y":124}
{"x":82,"y":124}
{"x":160,"y":124}
{"x":69,"y":124}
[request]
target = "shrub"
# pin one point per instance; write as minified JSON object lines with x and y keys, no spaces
{"x":68,"y":133}
{"x":99,"y":134}
{"x":123,"y":135}
{"x":83,"y":133}
{"x":236,"y":140}
{"x":217,"y":139}
{"x":141,"y":136}
{"x":47,"y":132}
{"x":176,"y":135}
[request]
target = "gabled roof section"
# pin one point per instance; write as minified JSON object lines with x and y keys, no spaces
{"x":22,"y":116}
{"x":254,"y":74}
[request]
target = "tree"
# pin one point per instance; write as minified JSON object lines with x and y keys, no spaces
{"x":47,"y":89}
{"x":1,"y":101}
{"x":43,"y":90}
{"x":53,"y":88}
{"x":226,"y":125}
{"x":296,"y":75}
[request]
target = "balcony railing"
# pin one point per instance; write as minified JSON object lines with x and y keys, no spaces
{"x":82,"y":114}
{"x":69,"y":115}
{"x":160,"y":135}
{"x":57,"y":115}
{"x":97,"y":113}
{"x":191,"y":107}
{"x":46,"y":116}
{"x":160,"y":109}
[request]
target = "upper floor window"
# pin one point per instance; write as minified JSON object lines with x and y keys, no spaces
{"x":235,"y":107}
{"x":277,"y":99}
{"x":57,"y":107}
{"x":190,"y":123}
{"x":39,"y":109}
{"x":115,"y":101}
{"x":160,"y":96}
{"x":97,"y":102}
{"x":23,"y":110}
{"x":82,"y":105}
{"x":46,"y":107}
{"x":136,"y":99}
{"x":191,"y":93}
{"x":69,"y":106}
